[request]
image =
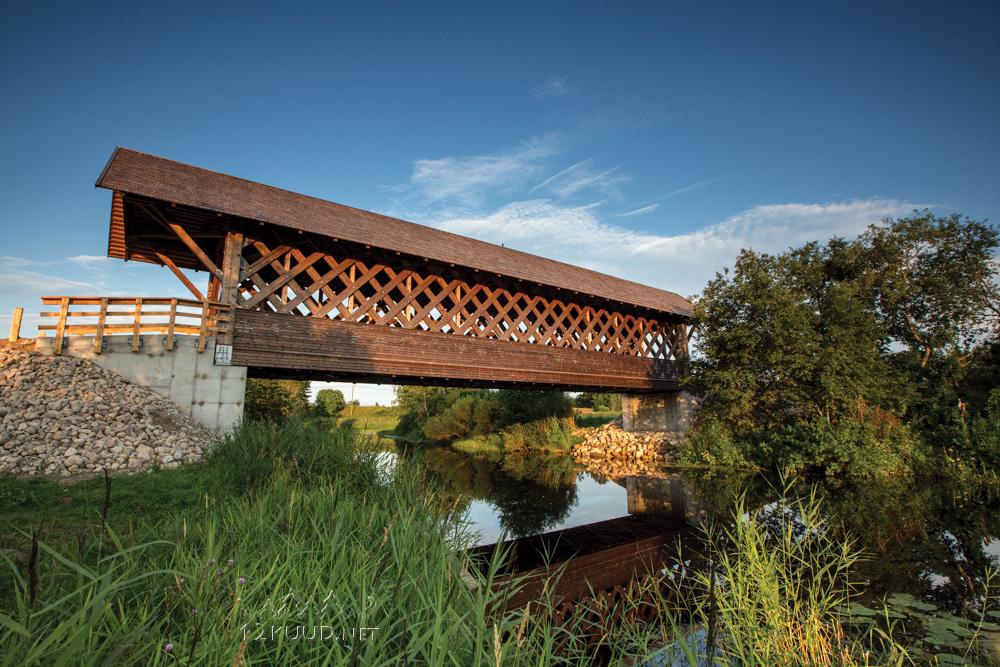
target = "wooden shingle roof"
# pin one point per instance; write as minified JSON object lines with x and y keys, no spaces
{"x":144,"y":175}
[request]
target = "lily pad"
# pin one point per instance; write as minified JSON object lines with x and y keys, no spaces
{"x":907,"y":600}
{"x":857,"y":609}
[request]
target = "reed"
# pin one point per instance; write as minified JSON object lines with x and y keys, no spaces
{"x":295,"y":545}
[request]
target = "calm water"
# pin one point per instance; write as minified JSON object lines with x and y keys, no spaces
{"x":929,"y":539}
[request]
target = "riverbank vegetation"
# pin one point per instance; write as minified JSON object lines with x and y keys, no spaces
{"x":877,"y":356}
{"x":485,"y":420}
{"x":289,"y":540}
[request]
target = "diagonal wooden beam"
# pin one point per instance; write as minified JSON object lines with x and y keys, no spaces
{"x":169,"y":263}
{"x":282,"y":280}
{"x":185,"y":238}
{"x":401,"y":305}
{"x":449,"y":315}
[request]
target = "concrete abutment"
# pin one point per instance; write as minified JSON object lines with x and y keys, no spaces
{"x":212,"y":395}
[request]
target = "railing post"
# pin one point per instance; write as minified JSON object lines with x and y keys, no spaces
{"x":99,"y":336}
{"x":170,"y":324}
{"x":137,"y":324}
{"x":61,"y":325}
{"x":15,"y":325}
{"x":203,"y":330}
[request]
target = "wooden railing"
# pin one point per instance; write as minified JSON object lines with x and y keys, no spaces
{"x":76,"y":316}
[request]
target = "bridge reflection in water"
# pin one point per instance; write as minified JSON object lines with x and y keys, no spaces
{"x":599,"y":562}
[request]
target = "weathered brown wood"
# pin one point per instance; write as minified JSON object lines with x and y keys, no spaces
{"x":185,"y":238}
{"x":169,"y":263}
{"x":102,"y":317}
{"x":139,"y":318}
{"x":201,"y":194}
{"x":61,"y":326}
{"x":172,"y":325}
{"x":138,"y":324}
{"x":264,"y":340}
{"x":15,"y":325}
{"x":203,"y":330}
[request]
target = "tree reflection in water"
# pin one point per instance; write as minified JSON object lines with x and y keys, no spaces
{"x":933,"y":539}
{"x":532,"y":494}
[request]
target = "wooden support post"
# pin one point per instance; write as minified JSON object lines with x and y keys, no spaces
{"x":229,"y":286}
{"x":61,"y":326}
{"x":171,"y":323}
{"x":137,"y":324}
{"x":15,"y":325}
{"x":101,"y":319}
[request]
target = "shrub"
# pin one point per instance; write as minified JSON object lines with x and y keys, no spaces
{"x":985,"y":433}
{"x":548,"y":433}
{"x":858,"y":448}
{"x":712,"y":444}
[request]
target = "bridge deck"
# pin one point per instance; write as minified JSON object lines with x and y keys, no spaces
{"x":274,"y":345}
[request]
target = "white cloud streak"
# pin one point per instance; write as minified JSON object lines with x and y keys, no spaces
{"x":581,"y":177}
{"x":556,"y":87}
{"x":639,"y":211}
{"x":678,"y":262}
{"x":468,"y":179}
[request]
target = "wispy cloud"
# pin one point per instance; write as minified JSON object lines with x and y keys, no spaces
{"x":679,"y":262}
{"x":556,"y":87}
{"x":645,"y":206}
{"x":639,"y":211}
{"x":584,"y":176}
{"x":88,"y":260}
{"x":468,"y":179}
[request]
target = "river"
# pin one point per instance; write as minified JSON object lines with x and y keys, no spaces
{"x":928,"y":538}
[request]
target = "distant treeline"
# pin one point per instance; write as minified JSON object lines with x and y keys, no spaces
{"x":519,"y":419}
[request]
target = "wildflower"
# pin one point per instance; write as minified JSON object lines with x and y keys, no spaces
{"x":168,"y":648}
{"x":211,"y":561}
{"x":241,"y":581}
{"x":230,"y":562}
{"x":194,"y":610}
{"x":220,"y":572}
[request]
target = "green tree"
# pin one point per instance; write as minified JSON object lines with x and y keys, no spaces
{"x":274,"y":400}
{"x":935,"y":282}
{"x":603,"y":402}
{"x":890,"y":326}
{"x":330,"y":401}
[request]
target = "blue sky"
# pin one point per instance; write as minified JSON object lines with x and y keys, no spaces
{"x":647,"y":140}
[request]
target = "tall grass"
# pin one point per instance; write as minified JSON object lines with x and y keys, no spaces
{"x":309,"y":549}
{"x":306,"y":547}
{"x":775,"y":589}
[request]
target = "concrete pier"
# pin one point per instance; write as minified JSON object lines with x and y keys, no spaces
{"x":668,"y":411}
{"x":212,"y":394}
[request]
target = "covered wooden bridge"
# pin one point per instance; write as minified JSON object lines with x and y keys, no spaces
{"x":317,"y":290}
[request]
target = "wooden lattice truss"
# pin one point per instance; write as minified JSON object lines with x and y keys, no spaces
{"x":284,"y":279}
{"x":298,"y":276}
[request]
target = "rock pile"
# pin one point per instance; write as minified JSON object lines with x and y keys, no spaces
{"x":66,"y":416}
{"x":615,"y":452}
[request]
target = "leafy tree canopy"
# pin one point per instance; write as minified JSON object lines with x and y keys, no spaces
{"x":330,"y":402}
{"x":896,"y":322}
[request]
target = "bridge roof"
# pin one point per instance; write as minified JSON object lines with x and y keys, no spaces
{"x":145,"y":175}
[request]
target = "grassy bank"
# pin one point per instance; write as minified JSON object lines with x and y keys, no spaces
{"x":296,"y":545}
{"x":382,"y":419}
